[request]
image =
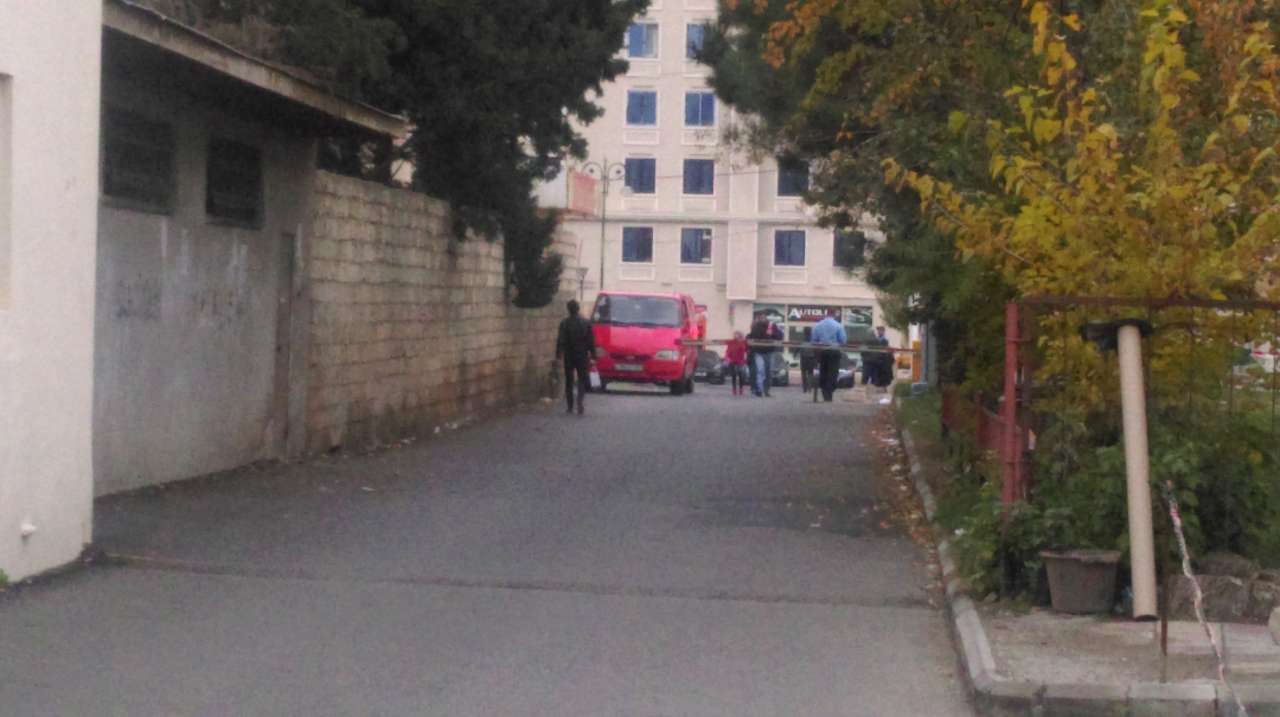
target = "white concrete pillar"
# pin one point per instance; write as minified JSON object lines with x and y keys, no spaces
{"x":1137,"y":470}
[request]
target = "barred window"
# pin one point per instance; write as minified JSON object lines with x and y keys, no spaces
{"x":233,"y":191}
{"x":137,"y":161}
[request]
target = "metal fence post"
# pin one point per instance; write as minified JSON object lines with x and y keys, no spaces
{"x":1010,"y":450}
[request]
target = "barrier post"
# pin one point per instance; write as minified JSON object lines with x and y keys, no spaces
{"x":1011,"y":488}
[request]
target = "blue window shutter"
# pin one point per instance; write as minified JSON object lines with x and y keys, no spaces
{"x":642,"y":40}
{"x":650,"y":175}
{"x":699,"y":176}
{"x":699,"y":109}
{"x":637,"y":244}
{"x":640,"y":174}
{"x":793,"y":178}
{"x":630,"y":173}
{"x":788,"y":247}
{"x":642,"y":107}
{"x":635,"y":40}
{"x":695,"y":246}
{"x":697,"y":35}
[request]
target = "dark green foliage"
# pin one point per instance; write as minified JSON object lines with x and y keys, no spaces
{"x":491,"y":89}
{"x":803,"y":109}
{"x":1223,"y":479}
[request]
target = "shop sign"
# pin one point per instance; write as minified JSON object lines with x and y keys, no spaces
{"x":808,"y":312}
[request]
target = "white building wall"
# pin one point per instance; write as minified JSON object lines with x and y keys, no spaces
{"x":49,"y":88}
{"x":743,"y":212}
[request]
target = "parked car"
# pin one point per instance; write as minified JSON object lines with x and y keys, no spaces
{"x":710,"y":368}
{"x":850,"y":365}
{"x":643,"y":338}
{"x":779,"y":369}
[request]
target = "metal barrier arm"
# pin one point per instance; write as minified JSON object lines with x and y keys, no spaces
{"x":867,"y":348}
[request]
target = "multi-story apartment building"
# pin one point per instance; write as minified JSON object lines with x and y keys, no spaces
{"x":686,"y":213}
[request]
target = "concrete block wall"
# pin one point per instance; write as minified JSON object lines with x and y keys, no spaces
{"x":409,"y":329}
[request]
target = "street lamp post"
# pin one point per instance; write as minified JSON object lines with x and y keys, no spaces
{"x":608,"y":173}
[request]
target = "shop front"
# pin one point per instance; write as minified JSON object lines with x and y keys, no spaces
{"x":797,"y":321}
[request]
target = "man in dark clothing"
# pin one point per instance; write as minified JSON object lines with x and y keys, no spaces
{"x":575,"y":345}
{"x":761,"y":357}
{"x":883,"y":375}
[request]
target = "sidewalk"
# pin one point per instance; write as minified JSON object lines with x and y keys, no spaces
{"x":1043,"y":663}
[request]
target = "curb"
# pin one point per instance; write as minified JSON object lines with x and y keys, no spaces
{"x":999,"y":696}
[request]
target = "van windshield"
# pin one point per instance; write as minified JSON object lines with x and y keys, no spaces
{"x":637,"y":311}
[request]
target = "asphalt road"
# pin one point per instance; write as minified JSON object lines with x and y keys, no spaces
{"x":702,"y":555}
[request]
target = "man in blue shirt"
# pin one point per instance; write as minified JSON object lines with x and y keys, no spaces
{"x":829,"y":333}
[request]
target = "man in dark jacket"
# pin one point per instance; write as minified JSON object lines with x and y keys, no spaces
{"x":575,"y":345}
{"x":761,"y":356}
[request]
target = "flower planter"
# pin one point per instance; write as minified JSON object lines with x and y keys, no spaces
{"x":1082,"y":581}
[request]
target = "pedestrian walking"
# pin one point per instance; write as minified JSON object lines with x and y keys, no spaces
{"x":575,"y":345}
{"x":830,"y":335}
{"x":763,"y":330}
{"x":735,"y":355}
{"x":808,"y":364}
{"x":883,"y":375}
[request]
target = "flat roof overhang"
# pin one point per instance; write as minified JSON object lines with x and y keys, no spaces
{"x":140,"y":40}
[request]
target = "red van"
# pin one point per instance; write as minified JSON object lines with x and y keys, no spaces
{"x":640,"y":338}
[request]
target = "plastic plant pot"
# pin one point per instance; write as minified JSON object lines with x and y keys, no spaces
{"x":1082,"y":582}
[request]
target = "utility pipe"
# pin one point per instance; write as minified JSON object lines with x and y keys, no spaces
{"x":1137,"y":471}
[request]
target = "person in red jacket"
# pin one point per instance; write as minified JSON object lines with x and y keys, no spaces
{"x":735,"y":354}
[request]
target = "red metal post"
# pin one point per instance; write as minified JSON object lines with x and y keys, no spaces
{"x":1010,"y":450}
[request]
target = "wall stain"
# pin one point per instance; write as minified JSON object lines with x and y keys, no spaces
{"x":138,"y":300}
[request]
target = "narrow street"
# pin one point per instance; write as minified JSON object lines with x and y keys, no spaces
{"x":704,"y":555}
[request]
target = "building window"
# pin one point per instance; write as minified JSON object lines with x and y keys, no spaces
{"x":695,"y":38}
{"x":637,"y":245}
{"x":788,"y":247}
{"x":699,"y":176}
{"x":640,"y":174}
{"x":137,"y":161}
{"x":233,"y":190}
{"x":695,"y":246}
{"x":642,"y":107}
{"x":848,"y":248}
{"x":642,"y":40}
{"x":793,"y":178}
{"x":699,"y":109}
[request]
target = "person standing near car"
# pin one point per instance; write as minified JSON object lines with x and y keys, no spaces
{"x":574,"y":345}
{"x":829,"y":334}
